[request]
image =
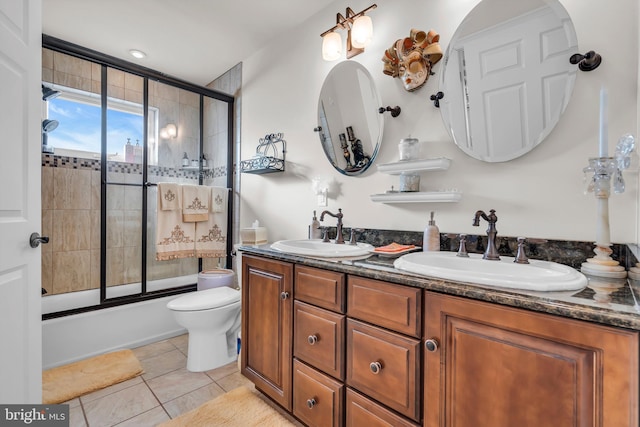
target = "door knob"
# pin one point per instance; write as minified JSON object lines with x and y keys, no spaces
{"x":431,"y":344}
{"x":284,"y":295}
{"x":311,"y":403}
{"x":375,"y":367}
{"x":312,"y":339}
{"x":35,"y":239}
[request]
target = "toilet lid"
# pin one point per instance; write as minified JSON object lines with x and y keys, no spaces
{"x":205,"y":300}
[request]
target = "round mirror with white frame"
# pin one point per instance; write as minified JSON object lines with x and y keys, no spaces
{"x":349,"y":124}
{"x":507,"y":78}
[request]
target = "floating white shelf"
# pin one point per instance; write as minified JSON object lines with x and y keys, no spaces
{"x":396,"y":168}
{"x":417,"y":197}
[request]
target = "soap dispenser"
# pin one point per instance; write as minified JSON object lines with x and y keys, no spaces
{"x":314,"y":229}
{"x":431,"y":239}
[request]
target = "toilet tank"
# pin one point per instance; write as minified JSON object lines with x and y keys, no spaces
{"x":215,"y":278}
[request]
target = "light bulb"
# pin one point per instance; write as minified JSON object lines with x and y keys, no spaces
{"x":331,"y":46}
{"x":361,"y":32}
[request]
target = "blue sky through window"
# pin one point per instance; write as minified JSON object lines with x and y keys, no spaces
{"x":79,"y":127}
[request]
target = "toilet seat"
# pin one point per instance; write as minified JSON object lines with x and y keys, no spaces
{"x":205,"y":300}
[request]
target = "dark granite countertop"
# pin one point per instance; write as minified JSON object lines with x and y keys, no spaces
{"x":614,"y":302}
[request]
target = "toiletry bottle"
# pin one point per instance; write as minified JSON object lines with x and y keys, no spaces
{"x":137,"y":152}
{"x":185,"y":160}
{"x":314,"y":228}
{"x":431,"y":239}
{"x":128,"y":151}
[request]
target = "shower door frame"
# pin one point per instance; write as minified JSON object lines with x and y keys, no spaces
{"x":106,"y":61}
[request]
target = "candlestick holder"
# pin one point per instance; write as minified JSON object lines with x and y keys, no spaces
{"x":598,"y":176}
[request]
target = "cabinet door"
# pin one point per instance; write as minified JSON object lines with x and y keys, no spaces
{"x":267,"y":327}
{"x":318,"y":400}
{"x":494,"y":366}
{"x":385,"y":366}
{"x":319,"y":338}
{"x":391,"y":306}
{"x":323,"y":288}
{"x":361,"y":411}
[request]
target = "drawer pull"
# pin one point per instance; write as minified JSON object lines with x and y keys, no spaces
{"x":312,"y":339}
{"x":431,"y":344}
{"x":311,"y":403}
{"x":284,"y":295}
{"x":375,"y":367}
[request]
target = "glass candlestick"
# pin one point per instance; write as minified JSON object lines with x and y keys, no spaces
{"x":598,"y":175}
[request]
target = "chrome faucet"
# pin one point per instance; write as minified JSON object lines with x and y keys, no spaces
{"x":491,"y":252}
{"x":339,"y":215}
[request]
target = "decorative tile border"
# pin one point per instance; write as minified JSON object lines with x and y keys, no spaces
{"x":54,"y":161}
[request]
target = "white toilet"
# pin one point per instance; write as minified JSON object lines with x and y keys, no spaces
{"x":211,"y":315}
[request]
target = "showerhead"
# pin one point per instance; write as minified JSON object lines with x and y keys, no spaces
{"x":48,"y":93}
{"x":49,"y":125}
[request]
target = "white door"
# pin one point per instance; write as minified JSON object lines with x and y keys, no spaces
{"x":515,"y":91}
{"x":20,"y":270}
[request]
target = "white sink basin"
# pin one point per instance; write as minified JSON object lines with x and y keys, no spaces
{"x":535,"y":276}
{"x":318,"y":248}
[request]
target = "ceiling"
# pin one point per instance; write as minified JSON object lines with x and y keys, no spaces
{"x":192,"y":40}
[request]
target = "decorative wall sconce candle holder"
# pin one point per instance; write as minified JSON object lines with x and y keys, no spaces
{"x":269,"y":157}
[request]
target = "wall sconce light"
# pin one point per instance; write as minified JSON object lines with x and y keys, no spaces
{"x":169,"y":131}
{"x":359,"y":33}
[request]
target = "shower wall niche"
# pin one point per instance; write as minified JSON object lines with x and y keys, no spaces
{"x":99,"y":184}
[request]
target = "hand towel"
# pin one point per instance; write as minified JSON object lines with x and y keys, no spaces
{"x":211,"y":236}
{"x":394,"y":247}
{"x":219,"y":199}
{"x":195,"y":203}
{"x":170,"y":196}
{"x":174,"y":239}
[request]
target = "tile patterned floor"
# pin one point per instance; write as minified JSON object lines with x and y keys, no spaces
{"x":165,"y":390}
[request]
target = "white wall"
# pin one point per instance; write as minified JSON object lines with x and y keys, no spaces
{"x":537,"y":195}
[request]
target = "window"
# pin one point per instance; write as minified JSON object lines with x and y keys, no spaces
{"x":78,"y":133}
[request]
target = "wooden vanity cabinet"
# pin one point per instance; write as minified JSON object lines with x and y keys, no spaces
{"x":487,"y":365}
{"x":267,"y":311}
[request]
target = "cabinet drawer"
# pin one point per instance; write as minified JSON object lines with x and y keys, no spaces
{"x":391,"y":306}
{"x":317,"y":398}
{"x":385,"y":366}
{"x":319,"y":338}
{"x":364,"y":412}
{"x":319,"y":287}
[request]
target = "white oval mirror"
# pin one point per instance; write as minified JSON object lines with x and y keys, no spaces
{"x":349,"y":124}
{"x":507,"y":78}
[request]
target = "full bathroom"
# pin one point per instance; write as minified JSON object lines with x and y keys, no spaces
{"x":100,"y":274}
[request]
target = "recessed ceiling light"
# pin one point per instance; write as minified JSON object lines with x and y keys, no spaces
{"x":137,"y":53}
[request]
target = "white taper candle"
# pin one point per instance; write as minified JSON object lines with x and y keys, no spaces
{"x":604,"y":127}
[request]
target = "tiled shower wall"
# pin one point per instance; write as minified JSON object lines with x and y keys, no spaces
{"x":71,"y":187}
{"x":71,"y":218}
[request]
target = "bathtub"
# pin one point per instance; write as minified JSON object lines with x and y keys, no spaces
{"x":76,"y":337}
